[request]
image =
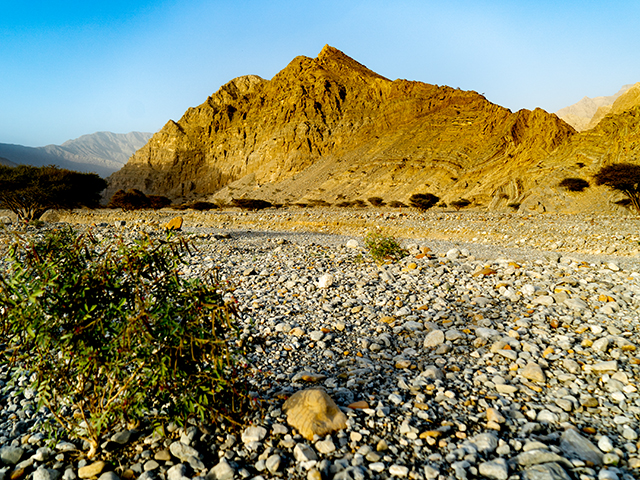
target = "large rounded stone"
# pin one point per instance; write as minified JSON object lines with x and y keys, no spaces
{"x":313,"y":412}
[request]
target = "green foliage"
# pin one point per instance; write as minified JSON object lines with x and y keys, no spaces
{"x":574,"y":184}
{"x":423,"y":201}
{"x":250,"y":203}
{"x":30,"y":191}
{"x":460,"y":203}
{"x":382,"y":247}
{"x":134,"y":199}
{"x":623,"y":177}
{"x":112,"y":331}
{"x":376,"y":201}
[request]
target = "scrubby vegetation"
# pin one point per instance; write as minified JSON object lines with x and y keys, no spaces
{"x":376,"y":201}
{"x":382,"y":247}
{"x":460,"y":203}
{"x":423,"y":201}
{"x":623,"y":177}
{"x":200,"y":206}
{"x":250,"y":203}
{"x":30,"y":191}
{"x":574,"y":184}
{"x":134,"y":199}
{"x":397,"y":204}
{"x":83,"y":317}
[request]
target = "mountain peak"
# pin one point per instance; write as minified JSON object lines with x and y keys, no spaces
{"x":333,"y":59}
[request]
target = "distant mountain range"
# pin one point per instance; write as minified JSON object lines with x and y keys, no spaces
{"x":102,"y":152}
{"x":586,"y":113}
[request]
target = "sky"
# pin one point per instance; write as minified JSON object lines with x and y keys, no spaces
{"x":70,"y":68}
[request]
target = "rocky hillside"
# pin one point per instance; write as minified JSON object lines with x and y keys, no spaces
{"x":329,"y":129}
{"x":101,"y":152}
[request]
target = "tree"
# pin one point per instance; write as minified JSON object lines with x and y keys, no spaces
{"x":30,"y":191}
{"x":250,"y":203}
{"x":423,"y":201}
{"x":376,"y":201}
{"x":623,"y":177}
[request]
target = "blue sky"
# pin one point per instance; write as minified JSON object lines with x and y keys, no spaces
{"x":69,"y":68}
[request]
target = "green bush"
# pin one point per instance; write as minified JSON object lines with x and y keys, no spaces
{"x":396,"y":204}
{"x":111,"y":332}
{"x":624,"y":178}
{"x":382,"y":247}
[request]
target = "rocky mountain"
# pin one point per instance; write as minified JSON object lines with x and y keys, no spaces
{"x":580,"y":115}
{"x":330,"y":129}
{"x":101,"y":152}
{"x":6,"y":162}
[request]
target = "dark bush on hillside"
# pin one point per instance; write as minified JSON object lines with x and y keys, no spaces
{"x":396,"y":204}
{"x":156,"y":202}
{"x":250,"y":203}
{"x":202,"y":206}
{"x":461,"y":203}
{"x":574,"y":184}
{"x":30,"y":191}
{"x":423,"y":201}
{"x":376,"y":201}
{"x":344,"y":204}
{"x":623,"y":177}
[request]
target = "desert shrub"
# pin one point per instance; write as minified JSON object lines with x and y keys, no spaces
{"x":423,"y":201}
{"x":376,"y":201}
{"x":156,"y":202}
{"x":514,"y":205}
{"x":132,"y":199}
{"x":250,"y":203}
{"x":111,"y":331}
{"x":382,"y":247}
{"x":344,"y":204}
{"x":623,"y":177}
{"x":359,"y":203}
{"x":30,"y":191}
{"x":319,"y":203}
{"x":202,"y":206}
{"x":461,"y":203}
{"x":574,"y":184}
{"x":396,"y":204}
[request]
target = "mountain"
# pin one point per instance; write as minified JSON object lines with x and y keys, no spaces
{"x":580,"y":115}
{"x":6,"y":162}
{"x":331,"y":129}
{"x":627,"y":100}
{"x":101,"y":152}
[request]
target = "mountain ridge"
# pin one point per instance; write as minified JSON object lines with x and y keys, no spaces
{"x":100,"y":152}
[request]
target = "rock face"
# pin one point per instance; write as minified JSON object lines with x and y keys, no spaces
{"x":330,"y":130}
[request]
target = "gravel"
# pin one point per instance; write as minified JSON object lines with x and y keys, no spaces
{"x":467,"y":359}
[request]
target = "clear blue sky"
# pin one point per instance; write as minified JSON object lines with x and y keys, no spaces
{"x":68,"y":68}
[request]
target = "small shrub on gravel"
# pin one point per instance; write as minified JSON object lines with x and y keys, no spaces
{"x":111,"y":332}
{"x":382,"y":247}
{"x":461,"y":203}
{"x":574,"y":184}
{"x":396,"y":204}
{"x":250,"y":203}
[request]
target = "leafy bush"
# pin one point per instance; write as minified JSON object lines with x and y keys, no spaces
{"x":396,"y":204}
{"x":156,"y":202}
{"x":514,"y":205}
{"x":250,"y":203}
{"x":461,"y":203}
{"x":574,"y":184}
{"x":623,"y":177}
{"x":30,"y":191}
{"x":382,"y":247}
{"x":112,"y":332}
{"x":423,"y":201}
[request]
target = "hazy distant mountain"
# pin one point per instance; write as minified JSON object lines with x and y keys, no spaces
{"x":580,"y":114}
{"x":6,"y":162}
{"x":102,"y":152}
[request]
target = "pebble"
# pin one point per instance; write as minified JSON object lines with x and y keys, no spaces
{"x":530,"y":368}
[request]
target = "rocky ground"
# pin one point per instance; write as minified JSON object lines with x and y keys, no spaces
{"x":503,"y":346}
